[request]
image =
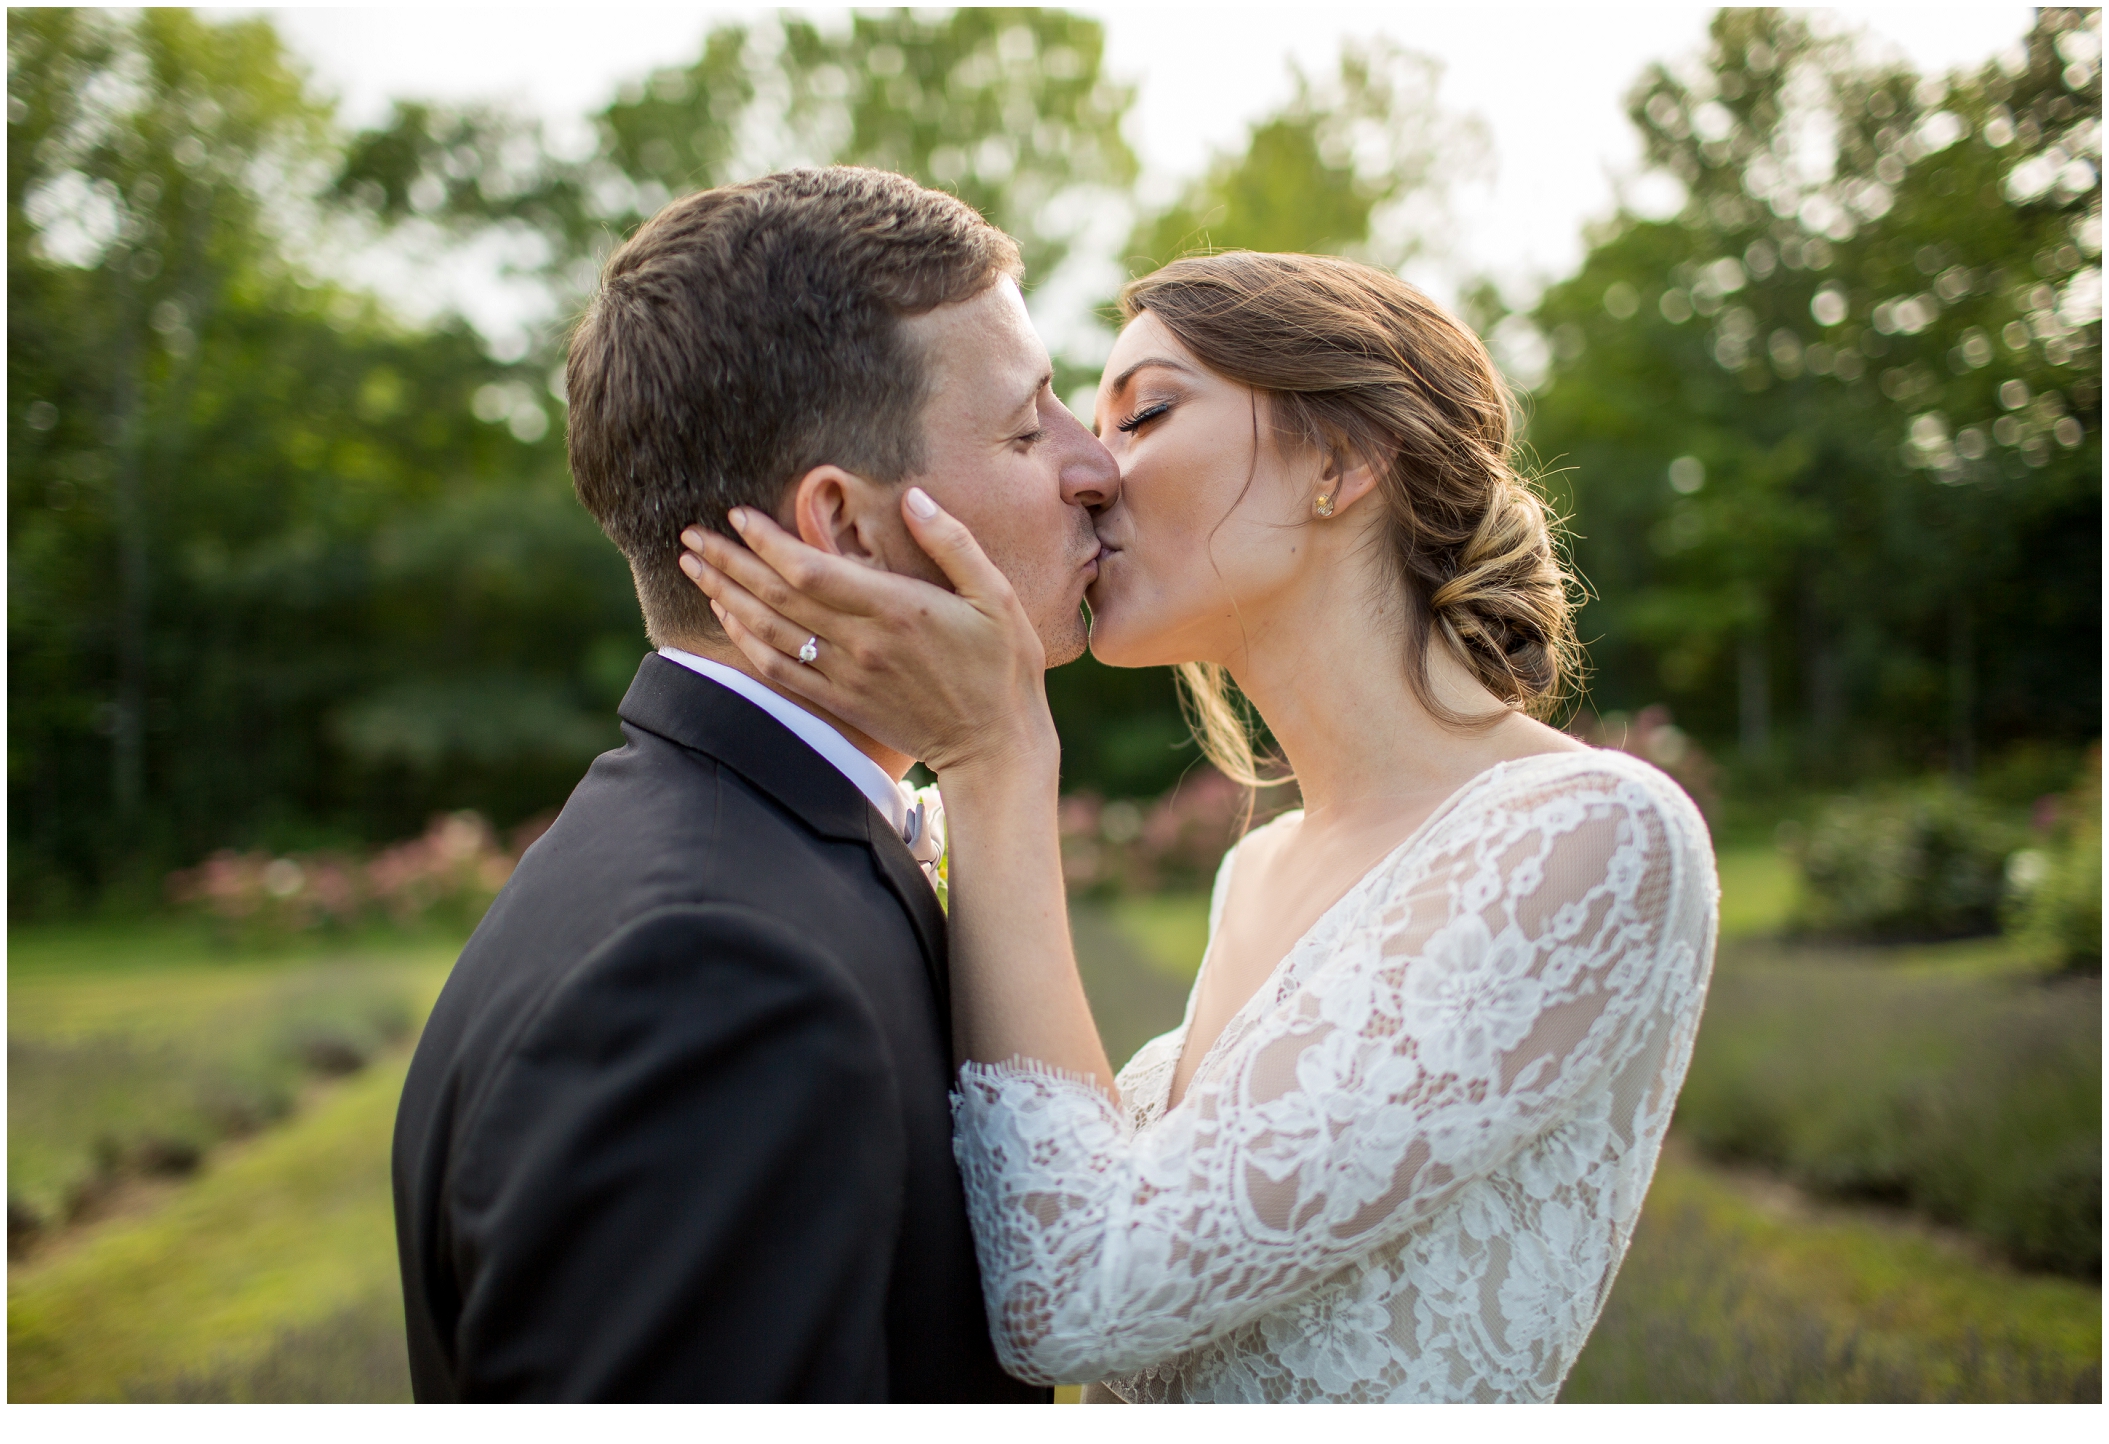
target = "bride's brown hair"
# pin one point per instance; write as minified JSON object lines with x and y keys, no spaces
{"x":1355,"y":364}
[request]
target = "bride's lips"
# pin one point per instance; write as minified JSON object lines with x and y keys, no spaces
{"x":1098,"y":564}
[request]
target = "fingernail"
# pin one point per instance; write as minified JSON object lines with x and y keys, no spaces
{"x":690,"y":565}
{"x":738,"y":517}
{"x":920,"y":503}
{"x":693,"y":538}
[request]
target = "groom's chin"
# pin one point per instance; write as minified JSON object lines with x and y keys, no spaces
{"x":1064,"y":642}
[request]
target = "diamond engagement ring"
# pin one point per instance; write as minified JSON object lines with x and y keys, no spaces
{"x":809,"y":651}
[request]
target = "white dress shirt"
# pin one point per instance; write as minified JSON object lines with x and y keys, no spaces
{"x":867,"y":776}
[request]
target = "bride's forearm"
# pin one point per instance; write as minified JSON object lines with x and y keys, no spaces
{"x":1015,"y":991}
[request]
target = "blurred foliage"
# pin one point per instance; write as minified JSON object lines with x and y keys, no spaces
{"x":1653,"y":736}
{"x":1830,"y":435}
{"x":270,"y":1277}
{"x":1005,"y":108}
{"x":249,"y":514}
{"x":353,"y":1356}
{"x":113,"y":1077}
{"x":1971,"y":1096}
{"x":2055,"y":890}
{"x":1735,"y":1290}
{"x":443,"y":879}
{"x":1924,"y":862}
{"x":1357,"y":165}
{"x":287,"y":573}
{"x":1171,"y":844}
{"x":1758,"y":888}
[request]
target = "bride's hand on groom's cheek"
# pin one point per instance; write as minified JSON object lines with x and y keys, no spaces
{"x":952,"y":678}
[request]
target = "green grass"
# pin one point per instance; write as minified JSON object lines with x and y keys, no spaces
{"x":287,"y":1237}
{"x":1949,"y":1078}
{"x":134,"y":1052}
{"x":133,"y":948}
{"x":1133,"y":996}
{"x":270,"y":1273}
{"x":1758,"y":890}
{"x":1723,"y":1298}
{"x":1170,"y":931}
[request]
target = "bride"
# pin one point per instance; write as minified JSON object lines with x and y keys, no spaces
{"x":1397,"y":1147}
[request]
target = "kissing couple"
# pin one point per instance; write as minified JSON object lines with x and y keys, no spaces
{"x":721,"y":1103}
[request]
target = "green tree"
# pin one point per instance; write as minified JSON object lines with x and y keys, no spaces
{"x":120,"y":162}
{"x":284,"y":569}
{"x":1008,"y":109}
{"x":247,"y":508}
{"x":1831,"y":436}
{"x":1357,"y":164}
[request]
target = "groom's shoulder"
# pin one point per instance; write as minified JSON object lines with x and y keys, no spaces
{"x":654,"y":825}
{"x":666,"y":873}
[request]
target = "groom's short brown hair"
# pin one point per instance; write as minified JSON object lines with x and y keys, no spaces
{"x":747,"y":334}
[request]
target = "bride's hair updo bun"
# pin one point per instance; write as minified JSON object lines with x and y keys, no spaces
{"x":1355,"y":362}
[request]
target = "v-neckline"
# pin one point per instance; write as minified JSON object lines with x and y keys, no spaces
{"x":1268,"y":984}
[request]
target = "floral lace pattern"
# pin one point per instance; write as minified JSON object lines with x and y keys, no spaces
{"x":1409,"y":1168}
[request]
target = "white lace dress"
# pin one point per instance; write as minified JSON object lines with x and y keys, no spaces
{"x":1409,"y":1167}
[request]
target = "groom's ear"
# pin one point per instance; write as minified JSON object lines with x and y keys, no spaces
{"x":840,"y":513}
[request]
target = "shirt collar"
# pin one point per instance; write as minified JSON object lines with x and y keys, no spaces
{"x":867,"y":776}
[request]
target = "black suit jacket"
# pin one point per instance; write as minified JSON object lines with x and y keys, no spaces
{"x":678,"y":1128}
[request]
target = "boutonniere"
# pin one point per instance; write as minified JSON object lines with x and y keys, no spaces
{"x":926,"y":840}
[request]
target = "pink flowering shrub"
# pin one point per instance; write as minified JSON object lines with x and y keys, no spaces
{"x":1172,"y":843}
{"x":254,"y":892}
{"x":446,"y":877}
{"x":1650,"y":735}
{"x":1175,"y":842}
{"x":450,"y":874}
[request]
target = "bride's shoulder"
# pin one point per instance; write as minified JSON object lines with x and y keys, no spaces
{"x":1590,"y":776}
{"x":1258,"y":844}
{"x":1263,"y":841}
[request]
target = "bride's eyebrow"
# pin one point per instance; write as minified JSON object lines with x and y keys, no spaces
{"x":1146,"y":363}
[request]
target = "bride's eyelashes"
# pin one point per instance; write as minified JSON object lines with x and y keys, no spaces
{"x":1143,"y":417}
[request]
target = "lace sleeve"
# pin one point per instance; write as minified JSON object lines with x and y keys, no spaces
{"x":1527,"y":960}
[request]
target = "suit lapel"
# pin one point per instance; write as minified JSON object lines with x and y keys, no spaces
{"x":689,"y":709}
{"x":905,"y":876}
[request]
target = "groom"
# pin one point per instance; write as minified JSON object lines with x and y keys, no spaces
{"x":678,"y":1127}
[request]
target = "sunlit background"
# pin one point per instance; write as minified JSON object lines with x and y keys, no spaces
{"x":308,"y":638}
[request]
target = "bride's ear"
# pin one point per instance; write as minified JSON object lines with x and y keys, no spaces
{"x":1347,"y":477}
{"x":838,"y":512}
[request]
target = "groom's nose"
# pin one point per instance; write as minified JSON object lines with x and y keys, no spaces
{"x":1090,"y":476}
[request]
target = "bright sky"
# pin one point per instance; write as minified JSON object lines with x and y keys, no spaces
{"x":1547,"y":80}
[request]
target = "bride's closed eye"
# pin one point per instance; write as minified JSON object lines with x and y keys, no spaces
{"x":1143,"y":417}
